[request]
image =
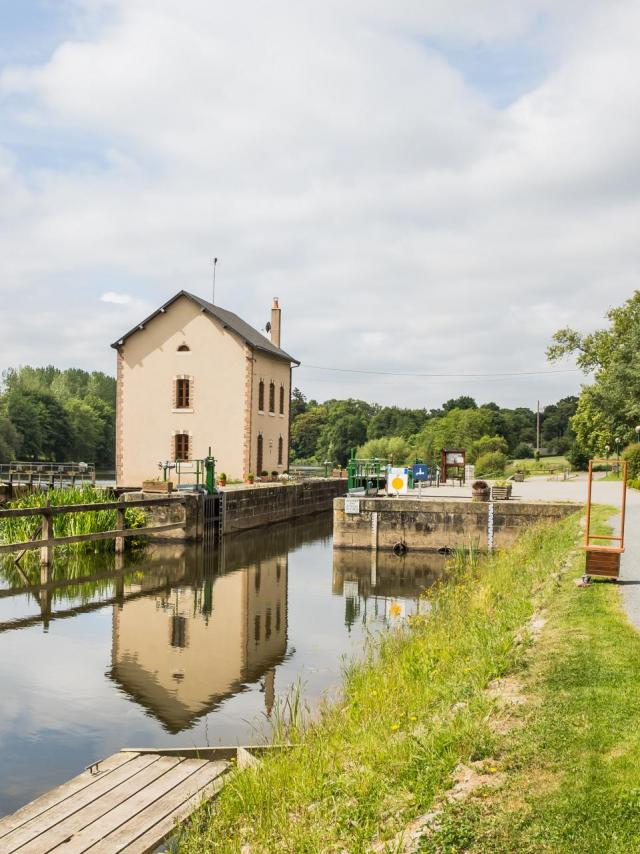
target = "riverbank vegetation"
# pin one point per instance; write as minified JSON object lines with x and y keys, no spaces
{"x":24,"y":528}
{"x":413,"y":711}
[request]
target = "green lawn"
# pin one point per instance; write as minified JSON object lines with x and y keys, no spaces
{"x":571,"y":763}
{"x":412,"y":711}
{"x":546,"y":465}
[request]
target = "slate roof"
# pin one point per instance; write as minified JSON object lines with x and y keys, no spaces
{"x":227,"y":318}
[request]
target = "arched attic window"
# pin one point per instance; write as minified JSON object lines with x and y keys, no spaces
{"x":183,"y":348}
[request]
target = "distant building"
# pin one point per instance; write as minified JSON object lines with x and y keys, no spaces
{"x":193,"y":376}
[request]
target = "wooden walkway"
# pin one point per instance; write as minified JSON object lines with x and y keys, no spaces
{"x":130,"y":802}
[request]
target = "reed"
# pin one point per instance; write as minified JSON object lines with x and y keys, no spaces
{"x":69,"y":524}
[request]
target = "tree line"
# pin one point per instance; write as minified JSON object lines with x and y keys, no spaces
{"x":329,"y":430}
{"x":52,"y":414}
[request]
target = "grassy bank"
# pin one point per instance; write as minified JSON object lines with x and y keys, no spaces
{"x":412,"y":711}
{"x":571,"y":763}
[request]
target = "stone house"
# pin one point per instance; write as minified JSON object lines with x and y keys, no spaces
{"x":192,"y":376}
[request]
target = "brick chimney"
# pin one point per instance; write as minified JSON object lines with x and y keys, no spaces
{"x":276,"y":320}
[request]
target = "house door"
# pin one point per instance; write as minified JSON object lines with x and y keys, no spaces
{"x":259,"y":462}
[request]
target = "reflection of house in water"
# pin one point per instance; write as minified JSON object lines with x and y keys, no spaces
{"x":182,"y":651}
{"x":369,"y":580}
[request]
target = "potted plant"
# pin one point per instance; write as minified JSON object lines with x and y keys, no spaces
{"x":274,"y":476}
{"x":480,"y":490}
{"x":264,"y":475}
{"x":222,"y":479}
{"x":501,"y":490}
{"x":251,"y":477}
{"x":157,"y":485}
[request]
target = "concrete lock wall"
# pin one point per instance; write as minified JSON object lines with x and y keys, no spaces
{"x":430,"y":525}
{"x":263,"y":505}
{"x":251,"y":507}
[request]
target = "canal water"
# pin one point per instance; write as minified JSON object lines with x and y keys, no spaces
{"x":181,"y":646}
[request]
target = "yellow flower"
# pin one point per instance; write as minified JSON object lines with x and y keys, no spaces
{"x":395,"y":727}
{"x":414,"y":718}
{"x":394,"y":609}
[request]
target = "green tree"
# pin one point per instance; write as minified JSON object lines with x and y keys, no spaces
{"x":298,"y":403}
{"x":10,"y":440}
{"x":306,"y":429}
{"x":462,"y":402}
{"x":609,"y":408}
{"x":459,"y":428}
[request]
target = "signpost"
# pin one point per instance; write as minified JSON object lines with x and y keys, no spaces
{"x":421,"y":472}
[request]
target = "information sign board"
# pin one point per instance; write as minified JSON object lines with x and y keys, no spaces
{"x":352,"y":505}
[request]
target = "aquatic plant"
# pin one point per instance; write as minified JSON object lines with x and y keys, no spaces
{"x":21,"y":529}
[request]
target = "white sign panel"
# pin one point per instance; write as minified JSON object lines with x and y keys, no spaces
{"x":397,"y":481}
{"x":350,"y":589}
{"x":352,"y":505}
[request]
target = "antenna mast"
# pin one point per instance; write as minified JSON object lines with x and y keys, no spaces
{"x":215,"y":264}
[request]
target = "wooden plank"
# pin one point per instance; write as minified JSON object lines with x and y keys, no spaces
{"x":60,"y":793}
{"x":104,"y":824}
{"x":89,"y":538}
{"x":60,"y":509}
{"x":92,"y":813}
{"x":33,"y":835}
{"x":146,"y":830}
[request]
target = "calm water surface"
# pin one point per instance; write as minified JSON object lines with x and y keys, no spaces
{"x":180,"y":646}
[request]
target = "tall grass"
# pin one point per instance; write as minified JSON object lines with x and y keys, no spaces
{"x":24,"y":528}
{"x":411,"y":711}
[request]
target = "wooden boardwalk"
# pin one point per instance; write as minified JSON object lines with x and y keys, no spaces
{"x":130,"y":802}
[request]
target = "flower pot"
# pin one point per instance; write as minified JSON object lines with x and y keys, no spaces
{"x":164,"y":486}
{"x":480,"y":494}
{"x":501,"y":493}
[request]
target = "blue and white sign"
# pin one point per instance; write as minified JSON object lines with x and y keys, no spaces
{"x":421,"y":472}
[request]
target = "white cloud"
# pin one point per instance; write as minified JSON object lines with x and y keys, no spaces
{"x":334,"y":156}
{"x":118,"y":299}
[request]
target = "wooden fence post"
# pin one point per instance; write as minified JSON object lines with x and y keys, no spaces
{"x":47,"y":534}
{"x":120,"y":523}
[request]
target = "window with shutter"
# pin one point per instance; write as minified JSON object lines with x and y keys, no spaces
{"x":281,"y":400}
{"x":280,"y":450}
{"x":272,"y":398}
{"x":261,"y":396}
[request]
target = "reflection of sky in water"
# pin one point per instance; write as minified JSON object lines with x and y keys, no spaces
{"x":191,"y":656}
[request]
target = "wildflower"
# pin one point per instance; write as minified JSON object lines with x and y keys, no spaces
{"x":395,"y":609}
{"x":395,"y":727}
{"x":413,"y":718}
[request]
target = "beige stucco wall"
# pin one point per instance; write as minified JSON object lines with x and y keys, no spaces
{"x":272,"y":426}
{"x":148,"y":365}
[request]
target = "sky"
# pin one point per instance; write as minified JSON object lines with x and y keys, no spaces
{"x":431,"y":187}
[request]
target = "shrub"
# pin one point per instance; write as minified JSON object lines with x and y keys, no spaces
{"x":632,"y":456}
{"x":634,"y":484}
{"x":523,"y":452}
{"x":493,"y":463}
{"x":578,"y":457}
{"x":488,"y":444}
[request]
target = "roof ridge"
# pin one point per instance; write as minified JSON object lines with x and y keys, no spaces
{"x":247,"y":332}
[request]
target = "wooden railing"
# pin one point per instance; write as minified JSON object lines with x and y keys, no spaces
{"x":47,"y":540}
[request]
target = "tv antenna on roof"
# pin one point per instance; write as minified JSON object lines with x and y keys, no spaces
{"x":215,"y":264}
